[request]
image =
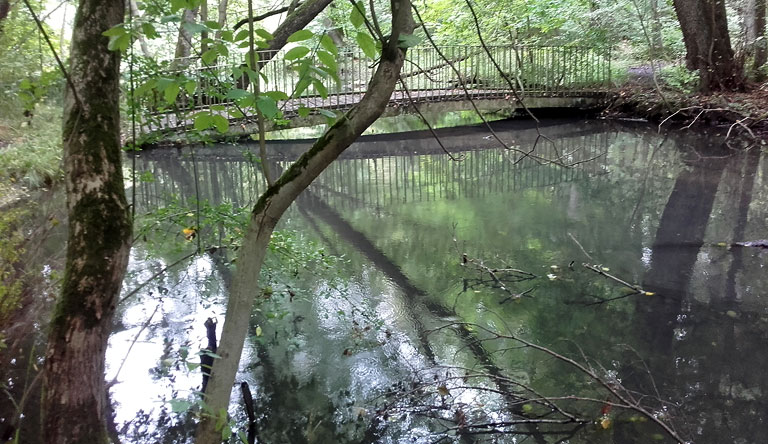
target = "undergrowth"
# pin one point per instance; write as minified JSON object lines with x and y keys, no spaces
{"x":30,"y":147}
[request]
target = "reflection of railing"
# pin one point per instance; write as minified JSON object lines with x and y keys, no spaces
{"x":528,"y":71}
{"x":379,"y":181}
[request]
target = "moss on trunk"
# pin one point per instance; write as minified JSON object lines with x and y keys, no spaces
{"x":75,"y":399}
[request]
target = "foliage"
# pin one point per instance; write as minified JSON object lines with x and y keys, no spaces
{"x":680,"y":78}
{"x":33,"y":155}
{"x":11,"y":251}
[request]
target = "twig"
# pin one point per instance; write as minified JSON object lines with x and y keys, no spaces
{"x":135,"y":338}
{"x":161,"y":271}
{"x":601,"y":271}
{"x":582,"y":248}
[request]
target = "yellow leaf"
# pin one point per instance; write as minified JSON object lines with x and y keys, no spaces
{"x":605,"y":423}
{"x":649,"y":293}
{"x":443,"y":390}
{"x":189,"y":233}
{"x":258,"y":330}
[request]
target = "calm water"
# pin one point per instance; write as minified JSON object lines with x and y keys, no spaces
{"x":359,"y":337}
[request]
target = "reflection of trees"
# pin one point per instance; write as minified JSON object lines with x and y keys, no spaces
{"x":690,"y":327}
{"x":507,"y":388}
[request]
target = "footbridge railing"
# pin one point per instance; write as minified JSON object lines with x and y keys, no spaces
{"x":449,"y":73}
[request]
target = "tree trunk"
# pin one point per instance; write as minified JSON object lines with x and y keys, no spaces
{"x":184,"y":42}
{"x":5,"y":7}
{"x":656,"y":38}
{"x":203,"y":19}
{"x":222,"y":21}
{"x":142,"y":41}
{"x":273,"y":203}
{"x":707,"y":44}
{"x":75,"y":399}
{"x":758,"y":40}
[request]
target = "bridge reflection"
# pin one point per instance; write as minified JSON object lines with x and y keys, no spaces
{"x":380,"y":171}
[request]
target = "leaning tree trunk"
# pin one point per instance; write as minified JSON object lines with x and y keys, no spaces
{"x":708,"y":46}
{"x":75,"y":399}
{"x":273,"y":203}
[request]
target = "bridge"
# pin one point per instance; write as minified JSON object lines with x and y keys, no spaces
{"x":433,"y":79}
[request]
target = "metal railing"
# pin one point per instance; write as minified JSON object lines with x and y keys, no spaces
{"x":450,"y":74}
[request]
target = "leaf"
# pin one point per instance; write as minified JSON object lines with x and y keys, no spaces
{"x":119,"y":43}
{"x":192,"y":366}
{"x":209,"y":56}
{"x":408,"y":41}
{"x":171,"y":92}
{"x":170,"y":18}
{"x":221,"y":123}
{"x":303,"y":111}
{"x":242,"y":35}
{"x":263,"y":33}
{"x":237,"y":94}
{"x":267,"y":106}
{"x":367,"y":44}
{"x":190,"y":87}
{"x":177,"y":5}
{"x":320,"y":88}
{"x":276,"y":95}
{"x":212,"y":24}
{"x":357,"y":17}
{"x":327,"y":42}
{"x":114,"y":31}
{"x":328,"y":60}
{"x":228,"y":36}
{"x":442,"y":390}
{"x":300,"y":36}
{"x":189,"y":233}
{"x":179,"y":405}
{"x":258,"y":330}
{"x":302,"y":85}
{"x":194,"y":28}
{"x":296,"y":53}
{"x":606,"y":423}
{"x":327,"y":113}
{"x":203,"y":121}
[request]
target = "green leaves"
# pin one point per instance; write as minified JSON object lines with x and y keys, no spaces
{"x":357,"y":17}
{"x":327,"y":43}
{"x":300,"y":36}
{"x":296,"y":53}
{"x":267,"y":106}
{"x":367,"y":44}
{"x":206,"y":119}
{"x":119,"y":38}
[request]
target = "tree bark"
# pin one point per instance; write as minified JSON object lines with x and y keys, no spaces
{"x":75,"y":399}
{"x":758,"y":41}
{"x":142,"y":41}
{"x":708,"y":45}
{"x":5,"y":7}
{"x":656,"y":37}
{"x":273,"y":203}
{"x":184,"y":42}
{"x":222,"y":20}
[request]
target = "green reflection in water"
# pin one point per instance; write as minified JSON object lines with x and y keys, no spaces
{"x":648,"y":208}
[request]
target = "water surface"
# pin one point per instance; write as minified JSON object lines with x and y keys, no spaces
{"x":359,"y":337}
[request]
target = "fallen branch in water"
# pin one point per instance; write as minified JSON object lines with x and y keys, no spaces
{"x":519,"y":275}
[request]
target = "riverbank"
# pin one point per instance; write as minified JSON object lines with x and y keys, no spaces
{"x":737,"y":113}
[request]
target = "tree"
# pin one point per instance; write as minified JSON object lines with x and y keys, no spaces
{"x":708,"y":45}
{"x":75,"y":400}
{"x":754,"y":27}
{"x":278,"y":197}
